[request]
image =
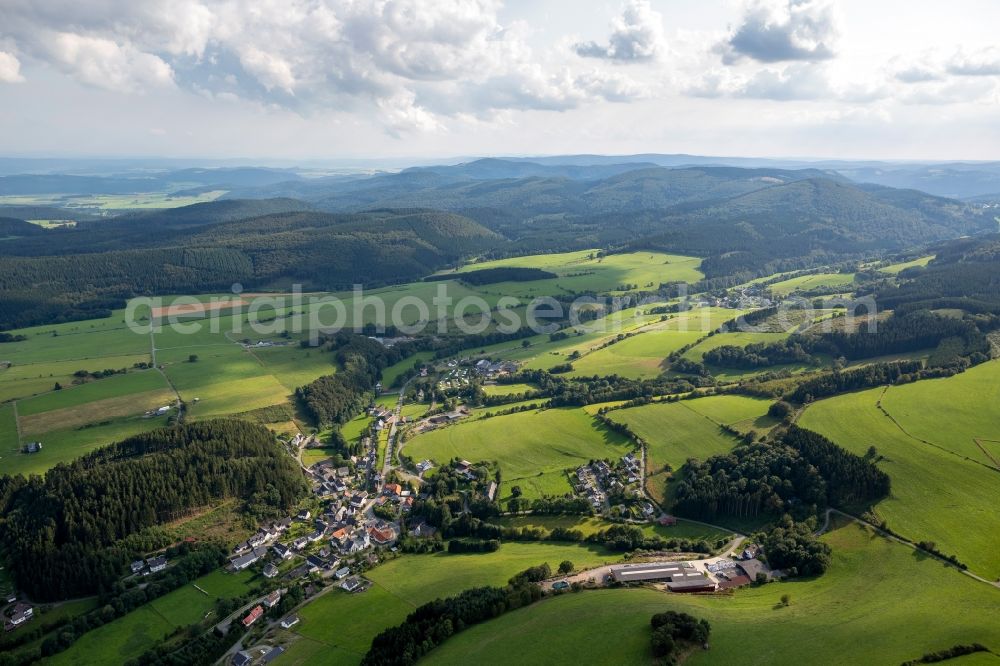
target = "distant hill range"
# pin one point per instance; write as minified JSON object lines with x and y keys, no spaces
{"x":335,"y":231}
{"x":742,"y":220}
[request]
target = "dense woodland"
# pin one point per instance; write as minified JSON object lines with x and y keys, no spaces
{"x":74,"y":273}
{"x":65,"y":534}
{"x":336,"y":399}
{"x":793,"y":548}
{"x":801,"y":473}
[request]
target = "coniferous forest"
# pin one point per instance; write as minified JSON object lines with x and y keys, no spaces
{"x":63,"y":533}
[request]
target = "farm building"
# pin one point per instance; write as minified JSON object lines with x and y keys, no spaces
{"x":679,"y":576}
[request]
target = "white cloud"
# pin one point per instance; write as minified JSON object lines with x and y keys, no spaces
{"x":783,"y":30}
{"x":985,"y":62}
{"x":107,"y":64}
{"x":10,"y":68}
{"x":636,"y":36}
{"x":411,"y":63}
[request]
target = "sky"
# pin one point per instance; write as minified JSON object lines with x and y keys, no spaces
{"x":336,"y":79}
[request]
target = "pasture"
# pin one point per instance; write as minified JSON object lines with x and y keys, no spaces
{"x":880,"y":602}
{"x":684,"y":529}
{"x":116,"y":386}
{"x":130,"y":635}
{"x":28,"y":379}
{"x":942,"y":491}
{"x":896,"y":269}
{"x":584,"y":271}
{"x":638,"y":357}
{"x":348,"y":622}
{"x":676,"y":431}
{"x":525,"y":445}
{"x":68,"y":444}
{"x":813,"y":281}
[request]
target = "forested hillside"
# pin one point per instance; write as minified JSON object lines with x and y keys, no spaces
{"x":64,"y":534}
{"x":79,"y":277}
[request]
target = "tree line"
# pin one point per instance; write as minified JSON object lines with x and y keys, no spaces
{"x":433,"y":623}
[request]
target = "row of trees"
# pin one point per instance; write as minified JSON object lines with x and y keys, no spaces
{"x":433,"y":623}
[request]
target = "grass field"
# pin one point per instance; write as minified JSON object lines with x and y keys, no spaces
{"x":8,"y":427}
{"x":676,"y":431}
{"x":938,"y":494}
{"x":508,"y":389}
{"x":74,"y":396}
{"x":390,"y":374}
{"x":583,"y":271}
{"x":67,"y":445}
{"x":131,"y":635}
{"x":294,"y":366}
{"x":814,"y":281}
{"x":78,"y":419}
{"x":684,"y":529}
{"x":97,"y":411}
{"x":638,"y":357}
{"x":526,"y":444}
{"x":28,"y":379}
{"x":226,"y":379}
{"x":879,"y":603}
{"x":895,"y":269}
{"x":348,"y":622}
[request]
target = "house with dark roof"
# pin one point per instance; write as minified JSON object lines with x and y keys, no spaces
{"x":137,"y":566}
{"x":282,"y":551}
{"x":21,"y":613}
{"x":158,"y":563}
{"x":289,"y":622}
{"x":273,"y":654}
{"x":352,"y":584}
{"x":242,"y":659}
{"x":270,"y":571}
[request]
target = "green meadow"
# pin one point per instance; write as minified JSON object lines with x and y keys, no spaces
{"x":896,"y":269}
{"x":879,"y":603}
{"x":130,"y":635}
{"x":684,"y":529}
{"x":66,"y":445}
{"x":583,"y":271}
{"x":508,"y":389}
{"x":27,"y":379}
{"x":676,"y":431}
{"x":115,"y":386}
{"x":638,"y":357}
{"x":526,"y":445}
{"x":939,"y":493}
{"x":348,"y":622}
{"x":814,"y":281}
